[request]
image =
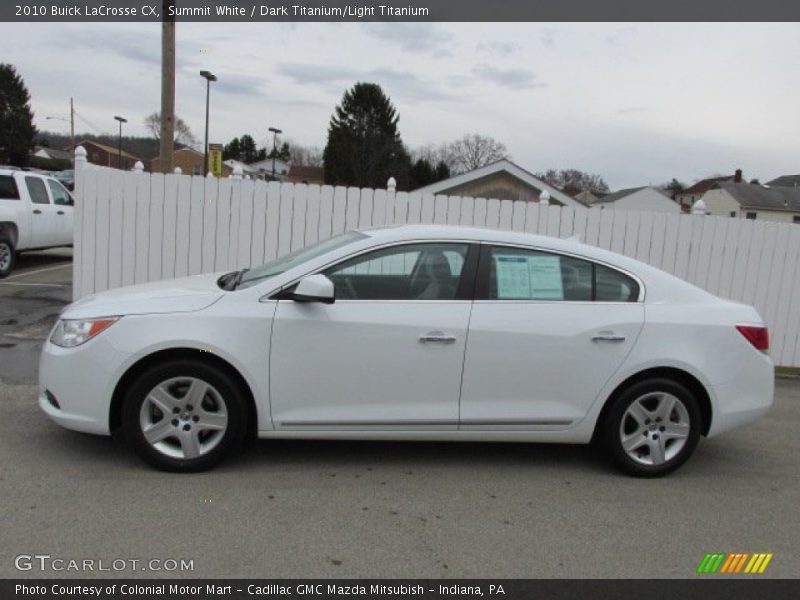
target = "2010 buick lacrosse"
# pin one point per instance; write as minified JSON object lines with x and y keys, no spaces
{"x":413,"y":333}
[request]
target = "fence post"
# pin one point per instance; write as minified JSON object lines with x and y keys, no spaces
{"x":237,"y":172}
{"x":80,"y":157}
{"x":699,"y":207}
{"x":391,"y":185}
{"x":177,"y":171}
{"x":544,"y":197}
{"x":138,"y":167}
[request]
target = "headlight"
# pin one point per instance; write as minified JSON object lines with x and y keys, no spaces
{"x":69,"y":333}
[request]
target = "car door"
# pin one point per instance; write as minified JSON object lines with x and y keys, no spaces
{"x":62,"y":200}
{"x":547,"y":332}
{"x":387,"y":354}
{"x":44,"y":224}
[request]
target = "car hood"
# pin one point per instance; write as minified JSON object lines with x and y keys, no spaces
{"x":187,"y":294}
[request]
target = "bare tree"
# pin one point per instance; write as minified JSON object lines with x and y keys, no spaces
{"x":474,"y":151}
{"x":183,"y":135}
{"x":574,"y":181}
{"x":305,"y":156}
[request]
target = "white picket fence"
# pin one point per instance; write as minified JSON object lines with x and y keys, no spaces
{"x":137,"y":227}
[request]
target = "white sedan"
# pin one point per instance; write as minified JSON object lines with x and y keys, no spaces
{"x":412,"y":333}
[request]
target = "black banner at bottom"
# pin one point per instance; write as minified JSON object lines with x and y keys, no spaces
{"x":386,"y":589}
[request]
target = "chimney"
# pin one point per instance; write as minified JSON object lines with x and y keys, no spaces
{"x":737,"y":178}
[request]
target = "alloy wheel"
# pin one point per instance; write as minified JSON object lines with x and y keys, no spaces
{"x":183,"y":417}
{"x":5,"y":256}
{"x":654,"y":428}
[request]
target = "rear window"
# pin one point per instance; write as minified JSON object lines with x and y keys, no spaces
{"x":8,"y":188}
{"x":37,"y":190}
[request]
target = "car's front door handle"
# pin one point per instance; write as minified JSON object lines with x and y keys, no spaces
{"x":608,"y":336}
{"x":61,"y":212}
{"x":37,"y":212}
{"x":437,"y":337}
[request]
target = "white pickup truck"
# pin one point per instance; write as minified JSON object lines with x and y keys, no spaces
{"x":35,"y":213}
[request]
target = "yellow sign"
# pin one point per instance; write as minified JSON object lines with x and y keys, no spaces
{"x":215,"y":159}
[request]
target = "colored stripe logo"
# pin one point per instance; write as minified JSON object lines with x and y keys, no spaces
{"x":734,"y":563}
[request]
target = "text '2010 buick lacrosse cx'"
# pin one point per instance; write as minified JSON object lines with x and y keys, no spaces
{"x":413,"y":333}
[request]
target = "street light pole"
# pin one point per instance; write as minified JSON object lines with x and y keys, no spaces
{"x":119,"y":148}
{"x":209,"y":77}
{"x":275,"y":133}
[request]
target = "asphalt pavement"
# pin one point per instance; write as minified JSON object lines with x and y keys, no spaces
{"x":368,"y":509}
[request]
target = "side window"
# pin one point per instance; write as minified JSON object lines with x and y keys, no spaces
{"x":518,"y":274}
{"x":521,"y":274}
{"x":60,"y":194}
{"x":8,"y":188}
{"x":613,"y":286}
{"x":37,"y":190}
{"x":408,"y":272}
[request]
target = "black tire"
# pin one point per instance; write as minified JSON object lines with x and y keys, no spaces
{"x":223,"y":390}
{"x":8,"y":256}
{"x":647,"y":392}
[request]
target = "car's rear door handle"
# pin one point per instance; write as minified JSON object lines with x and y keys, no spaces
{"x":37,"y":212}
{"x":61,"y":212}
{"x":608,"y":336}
{"x":437,"y":337}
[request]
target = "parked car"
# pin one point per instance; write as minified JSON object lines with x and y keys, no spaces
{"x":413,"y":333}
{"x":67,"y":178}
{"x":35,"y":213}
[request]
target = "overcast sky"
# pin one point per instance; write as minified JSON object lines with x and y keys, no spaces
{"x":636,"y":103}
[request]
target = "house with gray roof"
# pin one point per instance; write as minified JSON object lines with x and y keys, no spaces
{"x":753,"y":201}
{"x":786,"y":181}
{"x":644,"y":198}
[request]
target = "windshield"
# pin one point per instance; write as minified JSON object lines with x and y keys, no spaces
{"x":298,"y":257}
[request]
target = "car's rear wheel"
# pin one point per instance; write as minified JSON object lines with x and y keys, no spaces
{"x":653,"y":427}
{"x":184,"y":416}
{"x":8,"y":256}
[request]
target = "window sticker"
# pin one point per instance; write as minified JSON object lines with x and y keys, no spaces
{"x":535,"y":277}
{"x":513,"y":277}
{"x":546,"y":277}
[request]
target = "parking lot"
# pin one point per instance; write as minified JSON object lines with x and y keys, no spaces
{"x":367,"y":509}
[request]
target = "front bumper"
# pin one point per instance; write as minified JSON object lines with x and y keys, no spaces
{"x":81,"y":381}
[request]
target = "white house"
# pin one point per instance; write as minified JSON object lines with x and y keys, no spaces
{"x":645,"y":198}
{"x":753,"y":201}
{"x":264,"y":169}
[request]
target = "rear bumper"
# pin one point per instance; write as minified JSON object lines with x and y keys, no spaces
{"x":743,"y":400}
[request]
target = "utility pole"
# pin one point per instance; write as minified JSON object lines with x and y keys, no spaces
{"x":209,"y":77}
{"x":167,"y":88}
{"x":275,"y":131}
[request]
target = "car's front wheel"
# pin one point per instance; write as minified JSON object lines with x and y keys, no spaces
{"x":653,"y":427}
{"x":184,"y":416}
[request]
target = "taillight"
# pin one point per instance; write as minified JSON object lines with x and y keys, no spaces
{"x":757,"y":335}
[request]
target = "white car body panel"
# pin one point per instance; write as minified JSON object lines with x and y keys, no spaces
{"x":356,"y":369}
{"x":361,"y":364}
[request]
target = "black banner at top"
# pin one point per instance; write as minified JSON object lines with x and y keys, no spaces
{"x":398,"y":10}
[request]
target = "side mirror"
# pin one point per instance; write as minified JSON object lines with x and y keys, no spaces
{"x":314,"y":288}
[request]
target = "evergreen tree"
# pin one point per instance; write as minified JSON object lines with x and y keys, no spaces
{"x":283,"y":152}
{"x":232,"y":149}
{"x":364,"y":146}
{"x":17,"y":132}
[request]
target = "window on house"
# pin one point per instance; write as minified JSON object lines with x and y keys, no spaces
{"x":751,"y":216}
{"x":796,"y":219}
{"x":733,"y":213}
